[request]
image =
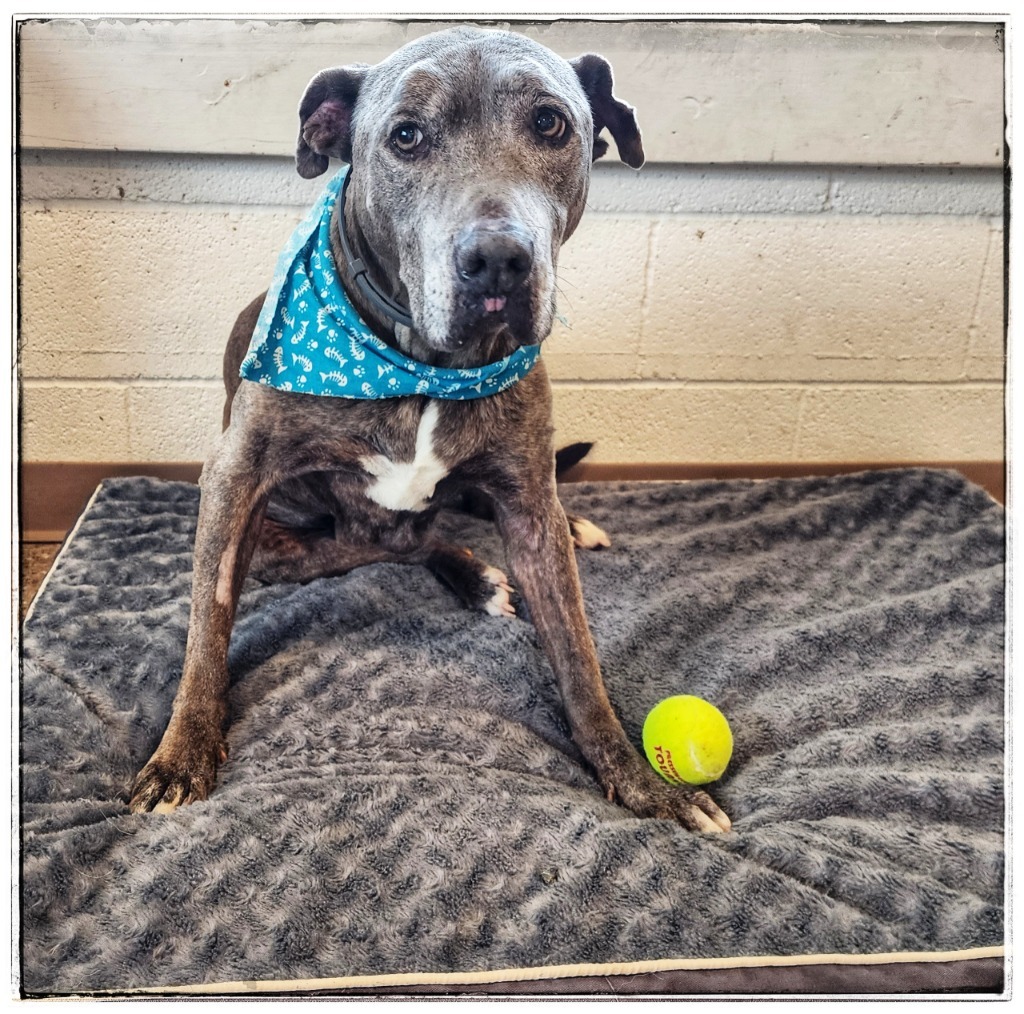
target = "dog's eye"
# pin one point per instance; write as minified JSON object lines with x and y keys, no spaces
{"x":407,"y":138}
{"x":549,"y":123}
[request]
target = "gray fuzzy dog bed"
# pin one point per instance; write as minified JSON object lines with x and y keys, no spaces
{"x":404,"y":809}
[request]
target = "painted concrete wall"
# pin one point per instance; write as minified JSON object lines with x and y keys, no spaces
{"x":780,"y":285}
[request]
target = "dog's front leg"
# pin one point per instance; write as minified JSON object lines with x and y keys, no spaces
{"x":183,"y":768}
{"x":541,"y":557}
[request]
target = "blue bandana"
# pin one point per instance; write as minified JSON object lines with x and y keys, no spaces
{"x":309,"y":338}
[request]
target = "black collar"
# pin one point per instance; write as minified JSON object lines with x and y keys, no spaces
{"x":357,"y":269}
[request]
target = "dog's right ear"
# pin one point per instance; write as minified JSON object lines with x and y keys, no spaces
{"x":325,"y":118}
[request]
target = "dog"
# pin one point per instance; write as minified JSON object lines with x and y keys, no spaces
{"x":433,"y":256}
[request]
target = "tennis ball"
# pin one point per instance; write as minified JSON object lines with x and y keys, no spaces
{"x":687,"y":740}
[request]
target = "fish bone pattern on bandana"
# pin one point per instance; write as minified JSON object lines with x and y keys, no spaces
{"x":310,"y":339}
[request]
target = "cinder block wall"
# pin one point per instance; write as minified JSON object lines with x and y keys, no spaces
{"x":810,"y":267}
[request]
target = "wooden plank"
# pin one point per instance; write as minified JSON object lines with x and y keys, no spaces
{"x":53,"y":493}
{"x":870,"y":93}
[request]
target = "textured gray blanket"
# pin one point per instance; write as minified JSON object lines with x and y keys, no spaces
{"x":403,"y":794}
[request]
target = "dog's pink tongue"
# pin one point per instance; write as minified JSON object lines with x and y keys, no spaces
{"x":492,"y":304}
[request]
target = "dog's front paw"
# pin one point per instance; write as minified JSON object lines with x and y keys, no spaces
{"x":182,"y":770}
{"x":648,"y":795}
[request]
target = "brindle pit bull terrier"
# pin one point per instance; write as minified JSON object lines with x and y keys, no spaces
{"x":470,"y":156}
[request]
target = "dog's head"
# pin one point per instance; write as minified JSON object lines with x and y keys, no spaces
{"x":471,"y":154}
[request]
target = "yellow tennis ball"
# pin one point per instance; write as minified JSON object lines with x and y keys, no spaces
{"x":687,"y":740}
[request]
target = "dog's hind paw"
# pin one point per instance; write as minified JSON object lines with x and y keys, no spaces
{"x":500,"y":603}
{"x":586,"y":535}
{"x":476,"y":584}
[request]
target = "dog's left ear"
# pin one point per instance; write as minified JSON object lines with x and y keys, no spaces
{"x":595,"y":74}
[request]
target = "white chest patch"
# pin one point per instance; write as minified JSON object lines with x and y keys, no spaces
{"x":408,"y":485}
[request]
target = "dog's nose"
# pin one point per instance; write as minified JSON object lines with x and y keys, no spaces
{"x":493,"y":258}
